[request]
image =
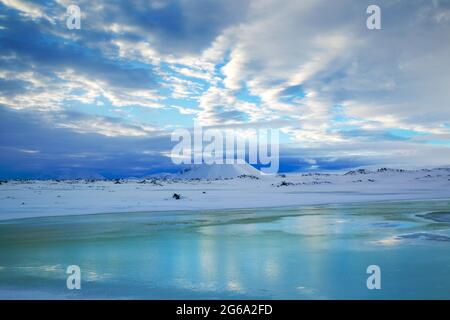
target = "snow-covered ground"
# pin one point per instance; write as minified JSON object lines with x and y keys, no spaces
{"x":21,"y":199}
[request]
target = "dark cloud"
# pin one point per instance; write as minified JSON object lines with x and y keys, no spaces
{"x":320,"y":164}
{"x":32,"y":149}
{"x":33,"y":48}
{"x":172,"y":27}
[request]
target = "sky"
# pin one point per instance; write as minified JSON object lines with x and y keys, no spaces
{"x":103,"y":100}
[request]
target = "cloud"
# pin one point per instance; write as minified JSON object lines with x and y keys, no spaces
{"x":220,"y":107}
{"x":378,"y":77}
{"x":176,"y":27}
{"x":106,"y":126}
{"x":311,"y":68}
{"x":55,"y":67}
{"x":32,"y":148}
{"x":27,"y":9}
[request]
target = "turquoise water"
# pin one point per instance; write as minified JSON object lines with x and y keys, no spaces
{"x":319,"y":252}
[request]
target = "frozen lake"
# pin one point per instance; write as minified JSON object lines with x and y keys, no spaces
{"x":316,"y":252}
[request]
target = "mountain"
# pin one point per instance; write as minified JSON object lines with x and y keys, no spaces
{"x":219,"y":171}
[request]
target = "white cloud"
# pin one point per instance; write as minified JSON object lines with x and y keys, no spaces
{"x":393,"y":78}
{"x":28,"y":9}
{"x":106,"y":128}
{"x":290,"y":62}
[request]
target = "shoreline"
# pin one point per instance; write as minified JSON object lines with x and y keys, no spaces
{"x":230,"y":209}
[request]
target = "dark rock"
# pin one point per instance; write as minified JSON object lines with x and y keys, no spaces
{"x":359,"y":171}
{"x":176,"y":196}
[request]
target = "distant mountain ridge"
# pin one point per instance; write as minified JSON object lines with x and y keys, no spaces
{"x":219,"y":171}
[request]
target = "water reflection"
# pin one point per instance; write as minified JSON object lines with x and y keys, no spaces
{"x":317,"y":252}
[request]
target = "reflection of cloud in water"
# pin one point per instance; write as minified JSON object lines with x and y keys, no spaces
{"x":46,"y":268}
{"x":425,"y":236}
{"x":272,"y":269}
{"x":195,"y":286}
{"x":232,"y":274}
{"x":307,"y":290}
{"x":277,"y":254}
{"x":197,"y":267}
{"x":311,"y":293}
{"x":308,"y":225}
{"x":436,"y":216}
{"x":208,"y":261}
{"x":235,"y":286}
{"x":91,"y":276}
{"x":396,"y":240}
{"x":390,"y":241}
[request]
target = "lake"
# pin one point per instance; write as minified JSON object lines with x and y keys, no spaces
{"x":315,"y":252}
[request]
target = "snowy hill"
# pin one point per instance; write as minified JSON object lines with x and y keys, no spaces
{"x":219,"y":171}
